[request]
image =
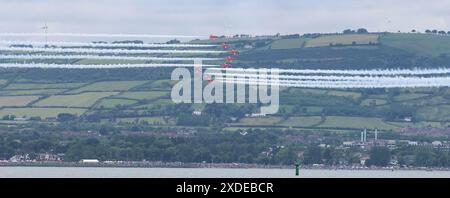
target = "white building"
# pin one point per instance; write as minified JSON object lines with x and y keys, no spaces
{"x":90,"y":161}
{"x":197,"y":113}
{"x":437,"y":143}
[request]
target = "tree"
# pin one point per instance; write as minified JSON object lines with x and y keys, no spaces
{"x":434,"y":31}
{"x":362,"y":31}
{"x":329,"y":155}
{"x":424,"y":156}
{"x":313,"y":155}
{"x":379,"y":156}
{"x":65,"y":117}
{"x":348,"y":31}
{"x":428,"y":31}
{"x":413,"y":31}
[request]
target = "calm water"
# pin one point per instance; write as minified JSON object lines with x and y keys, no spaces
{"x":58,"y":172}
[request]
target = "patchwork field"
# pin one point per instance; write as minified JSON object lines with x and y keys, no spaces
{"x":77,"y":100}
{"x":22,"y":86}
{"x":353,"y":95}
{"x":436,"y":113}
{"x":424,"y":44}
{"x":94,"y":62}
{"x":8,"y":101}
{"x":109,"y":86}
{"x":373,"y":102}
{"x":355,"y":123}
{"x":144,"y":95}
{"x":31,"y":92}
{"x":304,"y":121}
{"x":150,"y":120}
{"x":41,"y":112}
{"x":405,"y":97}
{"x":113,"y":102}
{"x":359,"y":39}
{"x":260,"y":121}
{"x":288,"y":43}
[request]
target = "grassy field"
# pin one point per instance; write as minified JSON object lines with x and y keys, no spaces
{"x":424,"y":44}
{"x":103,"y":62}
{"x":3,"y":81}
{"x":144,"y":95}
{"x":113,"y":102}
{"x":355,"y":123}
{"x":349,"y":94}
{"x":16,"y":101}
{"x":31,"y":92}
{"x":312,"y":91}
{"x":373,"y":102}
{"x":109,"y":86}
{"x":288,"y":43}
{"x":150,"y":120}
{"x":154,"y":103}
{"x":302,"y":121}
{"x":22,"y":86}
{"x":260,"y":121}
{"x":78,"y":100}
{"x":435,"y":113}
{"x":348,"y":39}
{"x":419,"y":124}
{"x":413,"y":96}
{"x":41,"y":112}
{"x":162,"y":84}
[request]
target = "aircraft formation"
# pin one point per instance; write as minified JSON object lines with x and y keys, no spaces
{"x":22,"y":53}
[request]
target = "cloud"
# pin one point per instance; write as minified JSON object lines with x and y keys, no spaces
{"x":203,"y":17}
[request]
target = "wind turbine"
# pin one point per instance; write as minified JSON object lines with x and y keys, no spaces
{"x":45,"y":28}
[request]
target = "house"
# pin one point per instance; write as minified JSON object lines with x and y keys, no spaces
{"x":89,"y":161}
{"x":348,"y":144}
{"x":258,"y":115}
{"x":363,"y":159}
{"x":48,"y":157}
{"x":437,"y":143}
{"x":408,"y":119}
{"x":197,"y":113}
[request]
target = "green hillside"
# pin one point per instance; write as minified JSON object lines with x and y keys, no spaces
{"x":421,"y":44}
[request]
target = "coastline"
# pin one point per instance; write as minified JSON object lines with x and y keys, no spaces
{"x":208,"y":165}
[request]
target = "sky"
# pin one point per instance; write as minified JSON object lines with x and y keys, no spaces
{"x":222,"y":17}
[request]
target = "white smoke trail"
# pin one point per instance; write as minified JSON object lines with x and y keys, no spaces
{"x":85,"y":44}
{"x":108,"y":51}
{"x":103,"y":35}
{"x":82,"y":66}
{"x":391,"y":72}
{"x":142,"y":58}
{"x":397,"y":82}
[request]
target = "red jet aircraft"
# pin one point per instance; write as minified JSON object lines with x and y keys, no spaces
{"x":225,"y":46}
{"x":226,"y":65}
{"x":229,"y":59}
{"x":213,"y":37}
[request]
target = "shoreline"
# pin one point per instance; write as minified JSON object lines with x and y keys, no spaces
{"x":210,"y":166}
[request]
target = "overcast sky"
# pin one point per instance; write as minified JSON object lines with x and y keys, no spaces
{"x":205,"y":17}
